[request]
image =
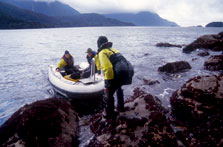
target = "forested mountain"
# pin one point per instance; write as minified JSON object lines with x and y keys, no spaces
{"x":142,"y":19}
{"x":8,"y":22}
{"x":14,"y":17}
{"x":215,"y":24}
{"x":47,"y":8}
{"x":38,"y":14}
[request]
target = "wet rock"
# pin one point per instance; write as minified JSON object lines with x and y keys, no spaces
{"x":214,"y":63}
{"x":142,"y":124}
{"x":194,"y":59}
{"x":203,"y":53}
{"x":150,"y":82}
{"x":197,"y":111}
{"x":174,"y":67}
{"x":164,"y":44}
{"x":51,"y":122}
{"x":213,"y":42}
{"x":87,"y":106}
{"x":198,"y":97}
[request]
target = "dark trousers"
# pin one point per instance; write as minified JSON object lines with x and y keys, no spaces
{"x":86,"y":73}
{"x":110,"y":99}
{"x":70,"y":70}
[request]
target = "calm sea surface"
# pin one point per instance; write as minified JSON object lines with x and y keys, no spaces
{"x":26,"y":54}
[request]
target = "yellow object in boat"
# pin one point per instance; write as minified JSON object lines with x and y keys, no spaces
{"x":68,"y":78}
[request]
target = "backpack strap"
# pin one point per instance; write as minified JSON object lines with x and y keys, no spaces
{"x":112,"y":54}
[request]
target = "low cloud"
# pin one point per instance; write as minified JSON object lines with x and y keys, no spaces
{"x":45,"y":0}
{"x":114,"y":6}
{"x":192,"y":12}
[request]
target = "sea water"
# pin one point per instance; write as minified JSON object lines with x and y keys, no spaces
{"x":26,"y":54}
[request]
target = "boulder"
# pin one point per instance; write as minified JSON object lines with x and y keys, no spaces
{"x":214,"y":63}
{"x":150,"y":82}
{"x":142,"y":124}
{"x":197,"y":111}
{"x":51,"y":122}
{"x":164,"y":44}
{"x":203,"y":53}
{"x":213,"y":42}
{"x":174,"y":67}
{"x":87,"y":106}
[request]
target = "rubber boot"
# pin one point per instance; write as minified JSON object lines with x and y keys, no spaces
{"x":109,"y":109}
{"x":120,"y":98}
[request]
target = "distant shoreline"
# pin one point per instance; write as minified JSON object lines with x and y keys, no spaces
{"x":106,"y":27}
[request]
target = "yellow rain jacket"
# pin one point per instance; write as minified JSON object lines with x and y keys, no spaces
{"x":67,"y":63}
{"x":97,"y":62}
{"x":105,"y":64}
{"x":61,"y":64}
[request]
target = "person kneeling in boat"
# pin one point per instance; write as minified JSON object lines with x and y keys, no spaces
{"x":90,"y":56}
{"x":117,"y":72}
{"x":67,"y":63}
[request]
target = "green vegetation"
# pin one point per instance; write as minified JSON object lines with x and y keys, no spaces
{"x":8,"y":22}
{"x":215,"y":24}
{"x":13,"y":17}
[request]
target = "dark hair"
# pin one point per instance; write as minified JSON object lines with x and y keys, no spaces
{"x":66,"y":52}
{"x":101,"y":40}
{"x":69,"y":60}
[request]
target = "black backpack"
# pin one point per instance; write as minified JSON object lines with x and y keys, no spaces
{"x":76,"y":74}
{"x":123,"y":69}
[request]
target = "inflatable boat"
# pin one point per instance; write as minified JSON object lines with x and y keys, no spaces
{"x":81,"y":88}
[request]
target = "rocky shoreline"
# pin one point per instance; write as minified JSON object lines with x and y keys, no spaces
{"x":50,"y":122}
{"x":195,"y":117}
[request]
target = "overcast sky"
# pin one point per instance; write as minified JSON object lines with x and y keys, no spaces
{"x":183,"y":12}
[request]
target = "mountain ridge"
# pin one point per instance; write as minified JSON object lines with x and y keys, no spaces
{"x":12,"y":17}
{"x":55,"y":8}
{"x":143,"y":18}
{"x":215,"y":24}
{"x":21,"y":10}
{"x":27,"y":18}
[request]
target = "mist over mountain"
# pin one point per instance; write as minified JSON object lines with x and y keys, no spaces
{"x":56,"y":14}
{"x":12,"y":16}
{"x":142,"y":19}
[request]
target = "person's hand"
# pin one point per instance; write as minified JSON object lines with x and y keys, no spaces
{"x":106,"y":90}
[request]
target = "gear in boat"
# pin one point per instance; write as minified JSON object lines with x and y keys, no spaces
{"x":66,"y":86}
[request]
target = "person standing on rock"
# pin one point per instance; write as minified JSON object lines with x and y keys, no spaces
{"x":117,"y":72}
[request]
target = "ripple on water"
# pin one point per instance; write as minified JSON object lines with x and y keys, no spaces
{"x":7,"y":108}
{"x":26,"y":54}
{"x":85,"y":134}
